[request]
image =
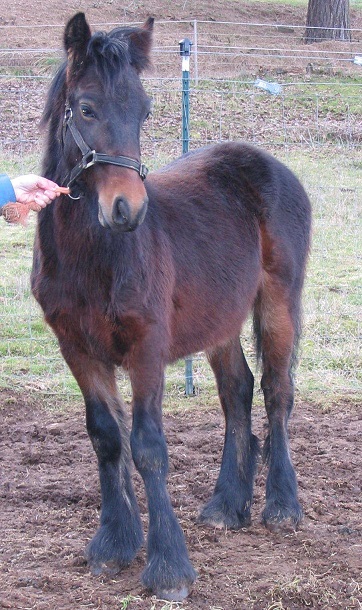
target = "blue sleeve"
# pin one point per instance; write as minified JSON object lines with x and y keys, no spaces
{"x":6,"y":190}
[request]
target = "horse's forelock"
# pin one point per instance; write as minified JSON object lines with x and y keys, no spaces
{"x":113,"y":51}
{"x":109,"y":54}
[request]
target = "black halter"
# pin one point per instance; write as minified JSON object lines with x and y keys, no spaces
{"x":90,"y":157}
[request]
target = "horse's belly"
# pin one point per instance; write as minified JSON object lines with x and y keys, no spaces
{"x":206,"y":317}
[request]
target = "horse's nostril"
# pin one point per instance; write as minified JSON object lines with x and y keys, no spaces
{"x":125,"y":217}
{"x":121,"y":211}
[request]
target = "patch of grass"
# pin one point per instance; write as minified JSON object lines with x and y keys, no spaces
{"x":330,"y":364}
{"x":313,"y":113}
{"x":339,"y":98}
{"x":331,"y":352}
{"x":353,"y":3}
{"x":126,"y":602}
{"x":15,"y":164}
{"x":286,"y":2}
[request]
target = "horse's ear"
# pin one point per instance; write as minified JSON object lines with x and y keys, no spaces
{"x":140,"y":43}
{"x":76,"y":38}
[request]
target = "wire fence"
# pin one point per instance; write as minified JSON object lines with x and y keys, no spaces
{"x":250,"y":81}
{"x":228,"y":61}
{"x":223,"y":48}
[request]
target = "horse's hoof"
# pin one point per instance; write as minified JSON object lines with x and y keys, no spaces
{"x":215,"y":514}
{"x":219,"y":522}
{"x":173,"y":595}
{"x":282,"y":518}
{"x":211,"y":522}
{"x":169,"y":581}
{"x":111,"y":568}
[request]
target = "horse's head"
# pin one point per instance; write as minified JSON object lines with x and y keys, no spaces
{"x":105,"y":107}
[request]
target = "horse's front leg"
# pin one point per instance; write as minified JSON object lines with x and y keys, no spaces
{"x":120,"y":535}
{"x":169,"y":572}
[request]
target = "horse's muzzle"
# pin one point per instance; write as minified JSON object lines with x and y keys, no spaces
{"x":124,"y":217}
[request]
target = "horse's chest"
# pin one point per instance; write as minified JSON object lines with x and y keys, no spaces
{"x":89,"y":316}
{"x":101,"y":335}
{"x":85,"y":330}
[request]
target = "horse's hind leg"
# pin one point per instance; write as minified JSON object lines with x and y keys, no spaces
{"x":231,"y":501}
{"x":276,"y":317}
{"x":120,"y":535}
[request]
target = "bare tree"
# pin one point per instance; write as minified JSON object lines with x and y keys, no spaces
{"x":327,"y":20}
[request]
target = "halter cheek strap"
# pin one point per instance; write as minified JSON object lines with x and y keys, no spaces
{"x":90,"y":157}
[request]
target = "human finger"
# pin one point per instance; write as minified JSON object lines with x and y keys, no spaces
{"x":46,"y":185}
{"x":42,"y":198}
{"x":50,"y":195}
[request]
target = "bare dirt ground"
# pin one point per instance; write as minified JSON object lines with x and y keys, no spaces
{"x":56,"y":13}
{"x":34,"y":18}
{"x":49,"y":492}
{"x":49,"y":508}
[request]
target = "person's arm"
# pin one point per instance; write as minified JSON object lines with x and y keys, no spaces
{"x":7,"y":192}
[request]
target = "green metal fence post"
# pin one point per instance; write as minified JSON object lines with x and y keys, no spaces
{"x":185,"y":52}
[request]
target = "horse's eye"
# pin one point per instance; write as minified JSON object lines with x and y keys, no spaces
{"x":87,"y":112}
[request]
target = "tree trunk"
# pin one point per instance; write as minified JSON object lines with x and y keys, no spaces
{"x":327,"y":20}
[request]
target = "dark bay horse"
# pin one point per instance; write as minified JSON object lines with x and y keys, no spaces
{"x":140,"y":272}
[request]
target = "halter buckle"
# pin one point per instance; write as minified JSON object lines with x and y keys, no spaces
{"x":89,"y":159}
{"x":143,"y":171}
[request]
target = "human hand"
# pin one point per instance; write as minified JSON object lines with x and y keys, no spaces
{"x":34,"y":189}
{"x":32,"y":193}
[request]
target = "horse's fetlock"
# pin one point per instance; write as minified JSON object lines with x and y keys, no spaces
{"x":115,"y":545}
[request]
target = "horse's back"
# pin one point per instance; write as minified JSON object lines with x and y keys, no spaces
{"x":264,"y":183}
{"x":228,"y":186}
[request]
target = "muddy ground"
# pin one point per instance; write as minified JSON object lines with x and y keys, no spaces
{"x":49,"y":493}
{"x":49,"y":509}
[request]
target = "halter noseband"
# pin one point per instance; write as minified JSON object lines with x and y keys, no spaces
{"x":90,"y":157}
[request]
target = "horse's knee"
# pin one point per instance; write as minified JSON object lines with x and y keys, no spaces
{"x":149,"y":449}
{"x":103,"y":431}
